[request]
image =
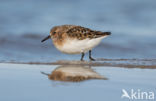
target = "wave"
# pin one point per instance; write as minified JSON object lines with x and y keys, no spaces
{"x":28,"y":47}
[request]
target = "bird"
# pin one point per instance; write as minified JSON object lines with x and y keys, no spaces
{"x":75,"y":39}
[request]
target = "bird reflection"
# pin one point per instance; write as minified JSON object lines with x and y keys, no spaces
{"x":73,"y":74}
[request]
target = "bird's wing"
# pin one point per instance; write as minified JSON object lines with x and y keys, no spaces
{"x":83,"y":33}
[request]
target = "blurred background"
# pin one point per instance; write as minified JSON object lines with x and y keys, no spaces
{"x":24,"y":23}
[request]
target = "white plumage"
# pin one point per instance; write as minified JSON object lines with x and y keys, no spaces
{"x":75,"y":46}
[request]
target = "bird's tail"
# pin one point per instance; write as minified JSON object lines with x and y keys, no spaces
{"x":106,"y":33}
{"x":100,"y":34}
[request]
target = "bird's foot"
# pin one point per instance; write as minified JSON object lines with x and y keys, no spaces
{"x":82,"y":60}
{"x":91,"y":59}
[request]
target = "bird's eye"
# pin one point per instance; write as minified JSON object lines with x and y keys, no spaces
{"x":54,"y":33}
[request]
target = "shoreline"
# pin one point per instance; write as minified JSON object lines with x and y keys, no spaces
{"x":121,"y":63}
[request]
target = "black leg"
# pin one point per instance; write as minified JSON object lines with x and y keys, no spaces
{"x":90,"y":56}
{"x":82,"y":56}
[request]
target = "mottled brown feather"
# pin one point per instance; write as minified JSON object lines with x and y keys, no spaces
{"x":83,"y":33}
{"x":59,"y":34}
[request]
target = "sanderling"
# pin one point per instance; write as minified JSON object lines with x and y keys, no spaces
{"x":72,"y":39}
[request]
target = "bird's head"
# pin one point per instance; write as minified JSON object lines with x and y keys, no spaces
{"x":54,"y":32}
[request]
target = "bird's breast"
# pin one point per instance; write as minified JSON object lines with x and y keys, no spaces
{"x":75,"y":46}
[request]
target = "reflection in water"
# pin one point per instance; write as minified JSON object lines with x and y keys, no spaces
{"x":73,"y":73}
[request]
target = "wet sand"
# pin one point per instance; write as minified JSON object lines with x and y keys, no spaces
{"x":26,"y":82}
{"x":124,"y":63}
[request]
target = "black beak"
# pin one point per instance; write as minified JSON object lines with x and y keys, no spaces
{"x":46,"y":38}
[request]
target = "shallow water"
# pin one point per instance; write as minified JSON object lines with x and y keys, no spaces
{"x":26,"y":82}
{"x":25,"y":23}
